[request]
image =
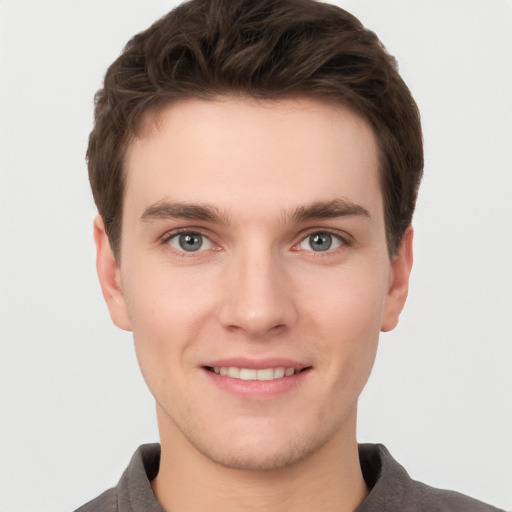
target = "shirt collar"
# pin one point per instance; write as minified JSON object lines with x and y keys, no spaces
{"x":386,"y":478}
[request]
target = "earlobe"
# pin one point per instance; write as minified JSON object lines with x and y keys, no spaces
{"x":401,"y":266}
{"x":110,"y":277}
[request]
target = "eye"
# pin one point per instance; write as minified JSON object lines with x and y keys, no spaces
{"x":190,"y":242}
{"x":321,"y":241}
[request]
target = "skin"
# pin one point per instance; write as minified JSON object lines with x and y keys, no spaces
{"x":263,"y":179}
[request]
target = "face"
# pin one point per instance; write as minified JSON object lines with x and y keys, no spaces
{"x":254,"y":274}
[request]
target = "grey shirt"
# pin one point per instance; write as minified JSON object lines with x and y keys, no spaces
{"x":392,"y":489}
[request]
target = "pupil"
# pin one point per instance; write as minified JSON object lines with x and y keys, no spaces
{"x":320,"y":241}
{"x":190,"y":242}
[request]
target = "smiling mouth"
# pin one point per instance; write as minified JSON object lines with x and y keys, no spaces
{"x":255,"y":374}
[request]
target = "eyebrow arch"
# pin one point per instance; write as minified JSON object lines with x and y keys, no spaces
{"x":329,"y":210}
{"x":204,"y":212}
{"x":170,"y":210}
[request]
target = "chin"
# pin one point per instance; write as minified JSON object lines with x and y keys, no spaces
{"x":260,"y":457}
{"x":260,"y":440}
{"x":267,"y":448}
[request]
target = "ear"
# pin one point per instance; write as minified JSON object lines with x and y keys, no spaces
{"x":401,"y":265}
{"x":110,"y":277}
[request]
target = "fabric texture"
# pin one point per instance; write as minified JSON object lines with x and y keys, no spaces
{"x":392,"y":489}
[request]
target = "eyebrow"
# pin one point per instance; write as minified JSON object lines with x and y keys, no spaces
{"x":171,"y":210}
{"x":204,"y":212}
{"x":329,"y":210}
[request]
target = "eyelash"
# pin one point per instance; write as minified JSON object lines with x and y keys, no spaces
{"x":186,"y":231}
{"x":344,"y":240}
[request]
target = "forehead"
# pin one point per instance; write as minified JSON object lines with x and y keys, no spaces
{"x":252,"y":156}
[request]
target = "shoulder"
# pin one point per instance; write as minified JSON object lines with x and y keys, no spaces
{"x":133,"y":492}
{"x":440,"y":500}
{"x":106,"y":502}
{"x":392,"y":488}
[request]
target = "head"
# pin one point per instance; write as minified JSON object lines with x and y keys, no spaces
{"x":255,"y":166}
{"x":267,"y":50}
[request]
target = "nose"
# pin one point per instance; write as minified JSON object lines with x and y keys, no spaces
{"x":257,"y":296}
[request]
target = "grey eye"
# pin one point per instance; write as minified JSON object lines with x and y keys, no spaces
{"x":190,"y":242}
{"x":321,"y":241}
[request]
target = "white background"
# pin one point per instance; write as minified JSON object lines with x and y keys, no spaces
{"x":73,"y":406}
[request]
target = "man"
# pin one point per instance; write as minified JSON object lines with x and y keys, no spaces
{"x":255,"y":166}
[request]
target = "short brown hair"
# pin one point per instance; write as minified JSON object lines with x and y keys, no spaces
{"x":266,"y":49}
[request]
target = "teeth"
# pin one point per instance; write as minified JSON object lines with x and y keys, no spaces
{"x":252,"y":374}
{"x":279,"y":372}
{"x":246,"y":374}
{"x":267,"y":374}
{"x":233,"y":372}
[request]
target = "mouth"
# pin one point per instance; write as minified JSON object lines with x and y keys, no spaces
{"x":260,"y":374}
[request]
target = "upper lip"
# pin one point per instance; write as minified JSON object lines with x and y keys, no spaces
{"x":256,"y":364}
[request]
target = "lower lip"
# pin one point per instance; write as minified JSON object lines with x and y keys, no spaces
{"x":257,"y":389}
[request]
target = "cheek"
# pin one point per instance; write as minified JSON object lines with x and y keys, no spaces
{"x":166,"y":313}
{"x":159,"y":296}
{"x":349,"y":302}
{"x":348,"y":317}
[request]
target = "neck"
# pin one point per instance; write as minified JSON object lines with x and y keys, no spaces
{"x":328,"y":480}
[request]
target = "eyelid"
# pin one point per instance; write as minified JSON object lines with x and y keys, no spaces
{"x":169,"y":235}
{"x":185,"y":230}
{"x":344,"y":238}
